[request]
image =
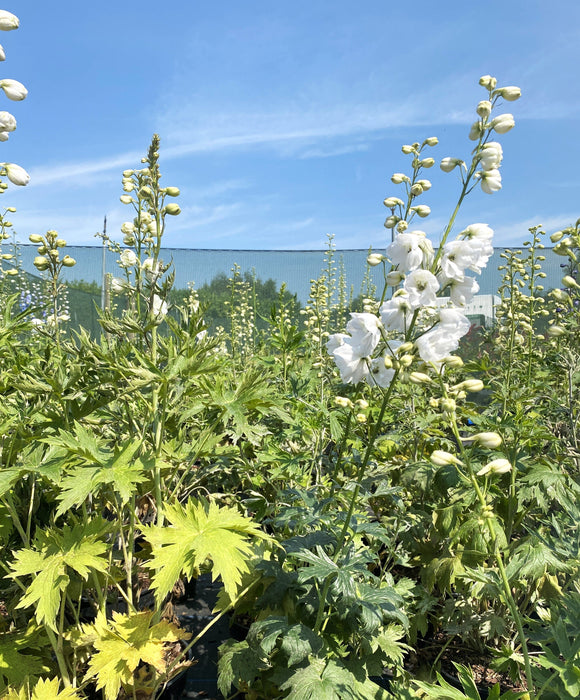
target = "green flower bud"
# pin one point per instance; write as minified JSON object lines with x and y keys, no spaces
{"x":41,"y":263}
{"x":172,"y":191}
{"x":172,"y":209}
{"x":35,"y":238}
{"x":67,"y":261}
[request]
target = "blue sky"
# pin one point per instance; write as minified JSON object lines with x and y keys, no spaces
{"x":283,"y":122}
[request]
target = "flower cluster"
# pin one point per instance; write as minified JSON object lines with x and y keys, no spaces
{"x":424,"y":319}
{"x":15,"y":91}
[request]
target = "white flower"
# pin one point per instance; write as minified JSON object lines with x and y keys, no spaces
{"x":352,"y":366}
{"x":118,"y":285}
{"x":395,"y":311}
{"x":159,"y":307}
{"x":365,"y":333}
{"x":2,"y":53}
{"x":457,"y":256}
{"x":484,"y":108}
{"x":461,"y":292}
{"x":151,"y":269}
{"x":379,"y":374}
{"x":128,"y":258}
{"x":480,"y":232}
{"x":13,"y":89}
{"x":16,"y":174}
{"x":8,"y":21}
{"x":491,"y":155}
{"x":490,"y":180}
{"x":422,"y":287}
{"x":334,"y":341}
{"x":443,"y":338}
{"x":410,"y":250}
{"x":503,"y":123}
{"x":3,"y":136}
{"x":7,"y":121}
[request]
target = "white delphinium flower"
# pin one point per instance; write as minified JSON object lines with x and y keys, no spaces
{"x":490,"y":180}
{"x":13,"y":89}
{"x":152,"y":270}
{"x":128,"y":258}
{"x":118,"y":285}
{"x":405,"y":250}
{"x":461,"y":292}
{"x":352,"y":367}
{"x":395,"y":312}
{"x":457,"y":256}
{"x":334,"y":341}
{"x":441,"y":340}
{"x":422,"y":287}
{"x":159,"y":307}
{"x":364,"y":332}
{"x":16,"y":174}
{"x":491,"y":155}
{"x":481,"y":232}
{"x":380,"y":374}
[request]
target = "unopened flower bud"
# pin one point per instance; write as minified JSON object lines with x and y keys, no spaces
{"x":172,"y":191}
{"x":419,"y":378}
{"x":440,"y":458}
{"x":427,"y":162}
{"x":361,"y":418}
{"x":405,"y":347}
{"x":448,"y":164}
{"x":488,"y":82}
{"x":406,"y":360}
{"x":472,"y":385}
{"x":41,"y":263}
{"x":555,"y":331}
{"x":388,"y":362}
{"x":431,"y":141}
{"x":407,"y":149}
{"x":16,"y":174}
{"x":402,"y":226}
{"x":391,"y":221}
{"x":8,"y":21}
{"x":489,"y":440}
{"x":172,"y":209}
{"x":35,"y":238}
{"x":476,"y":131}
{"x":392,"y":202}
{"x":375,"y":259}
{"x":422,"y":210}
{"x":510,"y":93}
{"x":343,"y":402}
{"x":560,"y":295}
{"x":484,"y":108}
{"x":503,"y":123}
{"x":67,"y":261}
{"x":448,"y":405}
{"x":398,"y":178}
{"x":496,"y":466}
{"x":395,"y":278}
{"x":13,"y":89}
{"x":453,"y":361}
{"x":60,"y":243}
{"x":126,"y":199}
{"x":569,"y":282}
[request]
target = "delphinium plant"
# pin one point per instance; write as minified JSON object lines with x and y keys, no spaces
{"x":330,"y":536}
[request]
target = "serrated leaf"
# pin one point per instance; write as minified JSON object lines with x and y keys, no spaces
{"x":198,"y":533}
{"x":15,"y":665}
{"x":125,"y":642}
{"x":320,"y":680}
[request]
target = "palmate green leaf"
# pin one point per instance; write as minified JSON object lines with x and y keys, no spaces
{"x":15,"y":666}
{"x":533,"y":559}
{"x":45,"y":689}
{"x":238,"y":664}
{"x":49,"y":563}
{"x":120,"y":470}
{"x":125,"y":642}
{"x":323,"y":679}
{"x":198,"y":533}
